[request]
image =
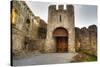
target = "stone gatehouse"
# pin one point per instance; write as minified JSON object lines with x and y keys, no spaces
{"x":60,"y":29}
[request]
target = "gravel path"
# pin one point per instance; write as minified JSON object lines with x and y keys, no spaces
{"x":50,"y":58}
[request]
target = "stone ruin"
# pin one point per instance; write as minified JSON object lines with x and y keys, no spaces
{"x":32,"y":33}
{"x":86,"y":39}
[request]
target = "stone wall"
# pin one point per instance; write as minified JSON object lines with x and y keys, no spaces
{"x":93,"y":38}
{"x":77,"y":39}
{"x":42,"y":30}
{"x":86,"y":39}
{"x":25,"y":26}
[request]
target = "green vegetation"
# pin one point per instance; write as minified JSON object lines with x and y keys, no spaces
{"x":83,"y":57}
{"x":91,"y":58}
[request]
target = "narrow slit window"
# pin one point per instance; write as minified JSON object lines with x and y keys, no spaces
{"x":60,"y":18}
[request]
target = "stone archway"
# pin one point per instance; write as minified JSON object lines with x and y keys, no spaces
{"x":60,"y":35}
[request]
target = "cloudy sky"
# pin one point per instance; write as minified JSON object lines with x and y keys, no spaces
{"x":85,"y":15}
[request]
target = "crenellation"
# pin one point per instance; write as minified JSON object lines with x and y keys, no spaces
{"x":60,"y":7}
{"x":70,"y":9}
{"x":52,"y":8}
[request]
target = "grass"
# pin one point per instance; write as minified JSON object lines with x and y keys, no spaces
{"x":91,"y":58}
{"x":83,"y":57}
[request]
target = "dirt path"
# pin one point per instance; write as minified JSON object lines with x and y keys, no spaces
{"x":50,"y":58}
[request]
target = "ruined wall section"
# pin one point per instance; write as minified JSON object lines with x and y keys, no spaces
{"x":24,"y":26}
{"x":86,"y":40}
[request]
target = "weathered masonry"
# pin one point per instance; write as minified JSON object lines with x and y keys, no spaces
{"x":60,"y":29}
{"x":28,"y":30}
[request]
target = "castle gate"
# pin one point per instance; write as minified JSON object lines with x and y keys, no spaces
{"x":61,"y":38}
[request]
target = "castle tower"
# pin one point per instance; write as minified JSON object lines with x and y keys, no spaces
{"x":60,"y":29}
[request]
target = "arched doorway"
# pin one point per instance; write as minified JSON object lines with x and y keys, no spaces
{"x":61,"y":38}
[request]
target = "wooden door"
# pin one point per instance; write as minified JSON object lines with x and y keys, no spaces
{"x":62,"y":45}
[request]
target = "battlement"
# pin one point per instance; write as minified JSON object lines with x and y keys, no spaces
{"x":69,"y":7}
{"x":61,"y":7}
{"x":52,"y":7}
